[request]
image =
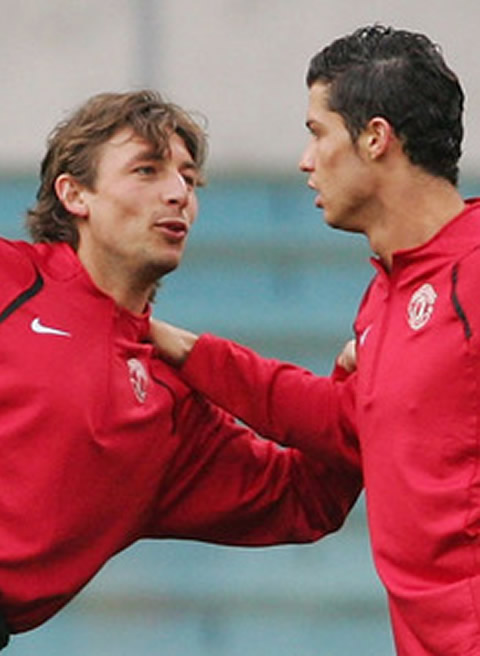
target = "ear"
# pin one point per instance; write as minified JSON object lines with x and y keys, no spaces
{"x":71,"y":194}
{"x":379,"y":135}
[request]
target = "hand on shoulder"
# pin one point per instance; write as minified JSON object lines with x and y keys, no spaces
{"x":173,"y":344}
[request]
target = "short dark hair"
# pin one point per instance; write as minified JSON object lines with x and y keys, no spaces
{"x":74,"y":144}
{"x":401,"y":76}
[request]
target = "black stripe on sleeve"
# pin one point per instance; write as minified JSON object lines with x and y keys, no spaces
{"x":456,"y":304}
{"x":22,"y":298}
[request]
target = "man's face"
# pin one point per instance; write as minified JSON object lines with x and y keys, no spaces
{"x":338,"y":169}
{"x":138,"y":215}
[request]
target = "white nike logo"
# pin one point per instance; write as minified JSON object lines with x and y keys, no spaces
{"x":38,"y":327}
{"x":363,"y":337}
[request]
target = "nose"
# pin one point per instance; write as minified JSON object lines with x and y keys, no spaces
{"x":176,"y":190}
{"x":306,"y":160}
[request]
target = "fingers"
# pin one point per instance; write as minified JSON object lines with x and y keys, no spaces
{"x":173,"y":344}
{"x":348,"y":356}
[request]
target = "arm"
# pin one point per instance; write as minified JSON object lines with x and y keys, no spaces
{"x":175,"y":345}
{"x":228,"y":486}
{"x":280,"y":401}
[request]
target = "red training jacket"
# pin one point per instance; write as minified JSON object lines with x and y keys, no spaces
{"x":102,"y":445}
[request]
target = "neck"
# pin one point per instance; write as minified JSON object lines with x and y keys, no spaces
{"x":129,"y":292}
{"x":129,"y":299}
{"x":410,"y":214}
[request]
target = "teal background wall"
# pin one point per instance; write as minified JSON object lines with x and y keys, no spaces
{"x":261,"y":268}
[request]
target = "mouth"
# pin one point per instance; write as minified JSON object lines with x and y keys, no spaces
{"x":174,"y":229}
{"x":318,"y":198}
{"x":318,"y":201}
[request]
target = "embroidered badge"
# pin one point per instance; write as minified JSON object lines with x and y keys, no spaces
{"x":138,"y":378}
{"x":421,"y":306}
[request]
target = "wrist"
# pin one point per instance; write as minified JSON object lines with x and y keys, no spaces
{"x":186,"y":344}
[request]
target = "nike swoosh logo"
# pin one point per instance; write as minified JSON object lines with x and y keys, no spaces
{"x":38,"y":327}
{"x":364,"y":335}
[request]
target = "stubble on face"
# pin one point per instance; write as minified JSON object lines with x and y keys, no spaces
{"x":139,"y":215}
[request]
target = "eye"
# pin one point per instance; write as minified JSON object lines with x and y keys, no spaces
{"x":145,"y":170}
{"x":314,"y":131}
{"x":190,"y":180}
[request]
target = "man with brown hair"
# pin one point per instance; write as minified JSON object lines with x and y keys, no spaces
{"x":102,"y":443}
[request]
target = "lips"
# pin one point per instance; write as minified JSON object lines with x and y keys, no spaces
{"x":174,"y":229}
{"x":318,"y":201}
{"x":318,"y":198}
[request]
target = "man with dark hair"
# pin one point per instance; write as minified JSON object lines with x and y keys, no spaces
{"x":102,"y":443}
{"x":385,"y":123}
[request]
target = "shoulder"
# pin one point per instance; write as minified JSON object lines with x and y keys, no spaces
{"x":465,"y":294}
{"x":16,"y":263}
{"x":57,"y":260}
{"x":468,"y":263}
{"x":465,"y":272}
{"x":13,"y":252}
{"x":20,"y":278}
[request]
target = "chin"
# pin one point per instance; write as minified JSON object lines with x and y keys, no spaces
{"x":340,"y":222}
{"x":154,"y":271}
{"x":332,"y":220}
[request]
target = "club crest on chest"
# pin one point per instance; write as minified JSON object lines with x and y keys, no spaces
{"x":421,"y":306}
{"x":138,"y":379}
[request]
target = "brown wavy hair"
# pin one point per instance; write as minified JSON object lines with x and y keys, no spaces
{"x":74,"y":144}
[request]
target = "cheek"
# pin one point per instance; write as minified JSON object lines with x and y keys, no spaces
{"x":327,"y":159}
{"x":334,"y":157}
{"x":192,"y":208}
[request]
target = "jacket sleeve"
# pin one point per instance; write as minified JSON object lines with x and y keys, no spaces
{"x":229,"y":486}
{"x":18,"y":276}
{"x":280,"y":401}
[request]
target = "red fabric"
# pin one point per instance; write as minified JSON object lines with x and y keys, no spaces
{"x":102,"y":445}
{"x":415,"y":405}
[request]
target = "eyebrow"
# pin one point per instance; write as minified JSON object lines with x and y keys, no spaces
{"x":189,"y":164}
{"x":146,"y":154}
{"x":152,"y":155}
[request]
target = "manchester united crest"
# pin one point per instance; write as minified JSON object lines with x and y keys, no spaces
{"x":138,"y":378}
{"x":421,"y":306}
